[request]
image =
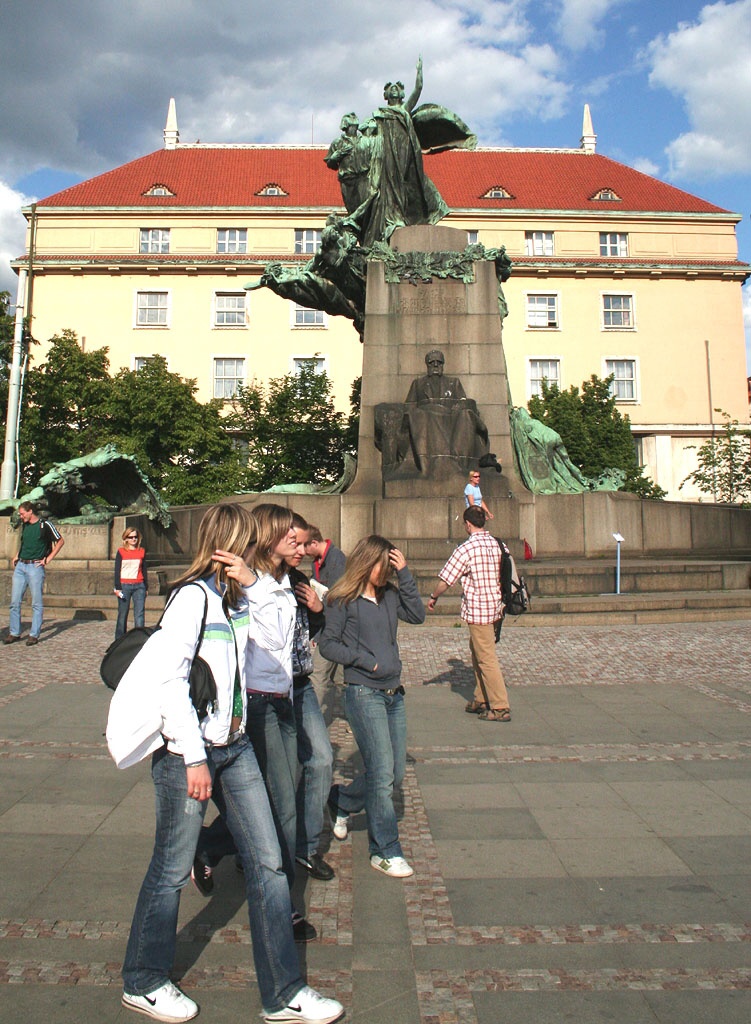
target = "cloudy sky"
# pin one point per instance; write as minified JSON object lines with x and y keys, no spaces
{"x":86,"y":83}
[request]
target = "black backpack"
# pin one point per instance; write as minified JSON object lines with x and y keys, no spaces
{"x":516,"y":599}
{"x":122,"y":652}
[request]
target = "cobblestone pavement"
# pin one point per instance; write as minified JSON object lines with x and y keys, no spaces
{"x":590,"y":860}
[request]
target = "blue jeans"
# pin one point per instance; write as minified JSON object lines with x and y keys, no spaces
{"x":316,"y":759}
{"x":379,"y":725}
{"x":137,"y":591}
{"x":240,"y":793}
{"x":271,"y":728}
{"x":31,"y":575}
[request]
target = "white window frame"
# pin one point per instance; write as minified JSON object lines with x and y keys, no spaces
{"x":321,"y":361}
{"x":539,"y":243}
{"x":556,"y":307}
{"x":632,"y":311}
{"x":143,"y":325}
{"x":633,"y":380}
{"x":307,"y":240}
{"x":231,"y":240}
{"x":153,"y":240}
{"x":139,"y":362}
{"x":534,"y":382}
{"x":473,"y":237}
{"x":217,"y":311}
{"x":614,"y":243}
{"x":238,"y":378}
{"x":316,"y":319}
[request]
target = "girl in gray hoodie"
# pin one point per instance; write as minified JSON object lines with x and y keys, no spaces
{"x":362,"y":612}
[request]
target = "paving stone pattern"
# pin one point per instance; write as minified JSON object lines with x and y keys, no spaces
{"x":588,"y":861}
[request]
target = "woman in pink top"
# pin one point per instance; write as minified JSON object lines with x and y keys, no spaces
{"x":130,"y":580}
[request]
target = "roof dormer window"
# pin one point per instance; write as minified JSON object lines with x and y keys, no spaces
{"x":497,"y":192}
{"x":158,"y":190}
{"x":606,"y":195}
{"x":271,"y":190}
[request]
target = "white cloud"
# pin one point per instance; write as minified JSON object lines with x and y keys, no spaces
{"x":12,"y":234}
{"x":645,"y":165}
{"x":86,"y":86}
{"x":579,"y":22}
{"x":708,"y":65}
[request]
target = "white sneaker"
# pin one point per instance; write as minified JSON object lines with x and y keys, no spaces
{"x":397,"y":867}
{"x":307,"y":1007}
{"x":168,"y":1003}
{"x":340,"y":826}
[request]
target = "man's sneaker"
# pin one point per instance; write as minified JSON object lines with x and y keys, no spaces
{"x":202,"y":876}
{"x":302,"y":930}
{"x":307,"y":1007}
{"x":32,"y":641}
{"x":11,"y":638}
{"x":397,"y":867}
{"x":168,"y":1003}
{"x":339,"y":822}
{"x":316,"y":867}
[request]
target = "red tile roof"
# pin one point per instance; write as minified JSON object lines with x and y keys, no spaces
{"x":228,"y":177}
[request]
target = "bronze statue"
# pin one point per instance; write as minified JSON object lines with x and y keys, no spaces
{"x":350,"y":155}
{"x":436,"y":432}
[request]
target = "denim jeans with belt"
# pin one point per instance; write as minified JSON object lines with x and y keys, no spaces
{"x":271,"y":728}
{"x":240,"y":793}
{"x":31,"y":575}
{"x":316,"y":759}
{"x":136,"y":591}
{"x":379,"y":725}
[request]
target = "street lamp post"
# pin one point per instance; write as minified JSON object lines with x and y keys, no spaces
{"x":8,"y":473}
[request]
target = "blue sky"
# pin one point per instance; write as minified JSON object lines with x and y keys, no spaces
{"x":86,"y":83}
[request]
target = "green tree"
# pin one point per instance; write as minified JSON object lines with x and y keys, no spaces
{"x":724,"y":464}
{"x":65,"y":406}
{"x":293,"y":431}
{"x":596,"y":435}
{"x":181,"y":444}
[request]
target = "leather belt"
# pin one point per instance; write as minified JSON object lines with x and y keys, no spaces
{"x":266,"y":693}
{"x":232,"y":738}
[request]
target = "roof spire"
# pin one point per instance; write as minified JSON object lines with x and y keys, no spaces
{"x":171,"y":134}
{"x":588,"y":140}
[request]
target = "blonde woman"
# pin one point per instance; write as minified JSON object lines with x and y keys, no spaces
{"x":212,"y":758}
{"x":131,"y":581}
{"x":362,"y":612}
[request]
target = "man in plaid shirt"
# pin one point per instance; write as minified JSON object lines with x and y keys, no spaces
{"x":477,"y":562}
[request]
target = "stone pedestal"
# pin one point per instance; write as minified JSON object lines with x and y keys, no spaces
{"x":403,"y":322}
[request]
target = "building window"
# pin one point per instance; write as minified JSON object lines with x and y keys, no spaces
{"x":229,"y":309}
{"x":538,"y":243}
{"x":542,"y":311}
{"x":613,"y":244}
{"x":315,"y":362}
{"x":159,"y":190}
{"x":307,"y":240}
{"x":618,"y":312}
{"x":472,"y":237}
{"x":623,"y":387}
{"x":232,"y":240}
{"x":152,"y":309}
{"x":543,"y":370}
{"x":229,"y":375}
{"x":497,"y":192}
{"x":606,"y":195}
{"x":154,"y":240}
{"x":271,"y":190}
{"x":140,"y":362}
{"x":304,"y":317}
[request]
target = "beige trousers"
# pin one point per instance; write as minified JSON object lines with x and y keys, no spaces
{"x":489,"y":685}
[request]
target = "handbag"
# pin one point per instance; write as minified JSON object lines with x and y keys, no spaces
{"x":122,"y":652}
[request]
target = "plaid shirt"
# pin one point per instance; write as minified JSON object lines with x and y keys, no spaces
{"x":477,"y":562}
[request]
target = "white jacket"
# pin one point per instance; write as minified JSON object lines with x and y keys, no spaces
{"x":153,"y":701}
{"x":273,"y":608}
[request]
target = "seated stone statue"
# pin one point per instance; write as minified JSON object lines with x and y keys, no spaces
{"x":436,"y":432}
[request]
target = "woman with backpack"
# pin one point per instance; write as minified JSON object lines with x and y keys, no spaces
{"x":211,"y":758}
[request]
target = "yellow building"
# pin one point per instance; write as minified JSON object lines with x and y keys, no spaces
{"x":614,"y":272}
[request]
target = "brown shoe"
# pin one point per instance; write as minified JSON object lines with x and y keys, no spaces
{"x":11,"y":638}
{"x":32,"y":641}
{"x":495,"y":715}
{"x":475,"y":707}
